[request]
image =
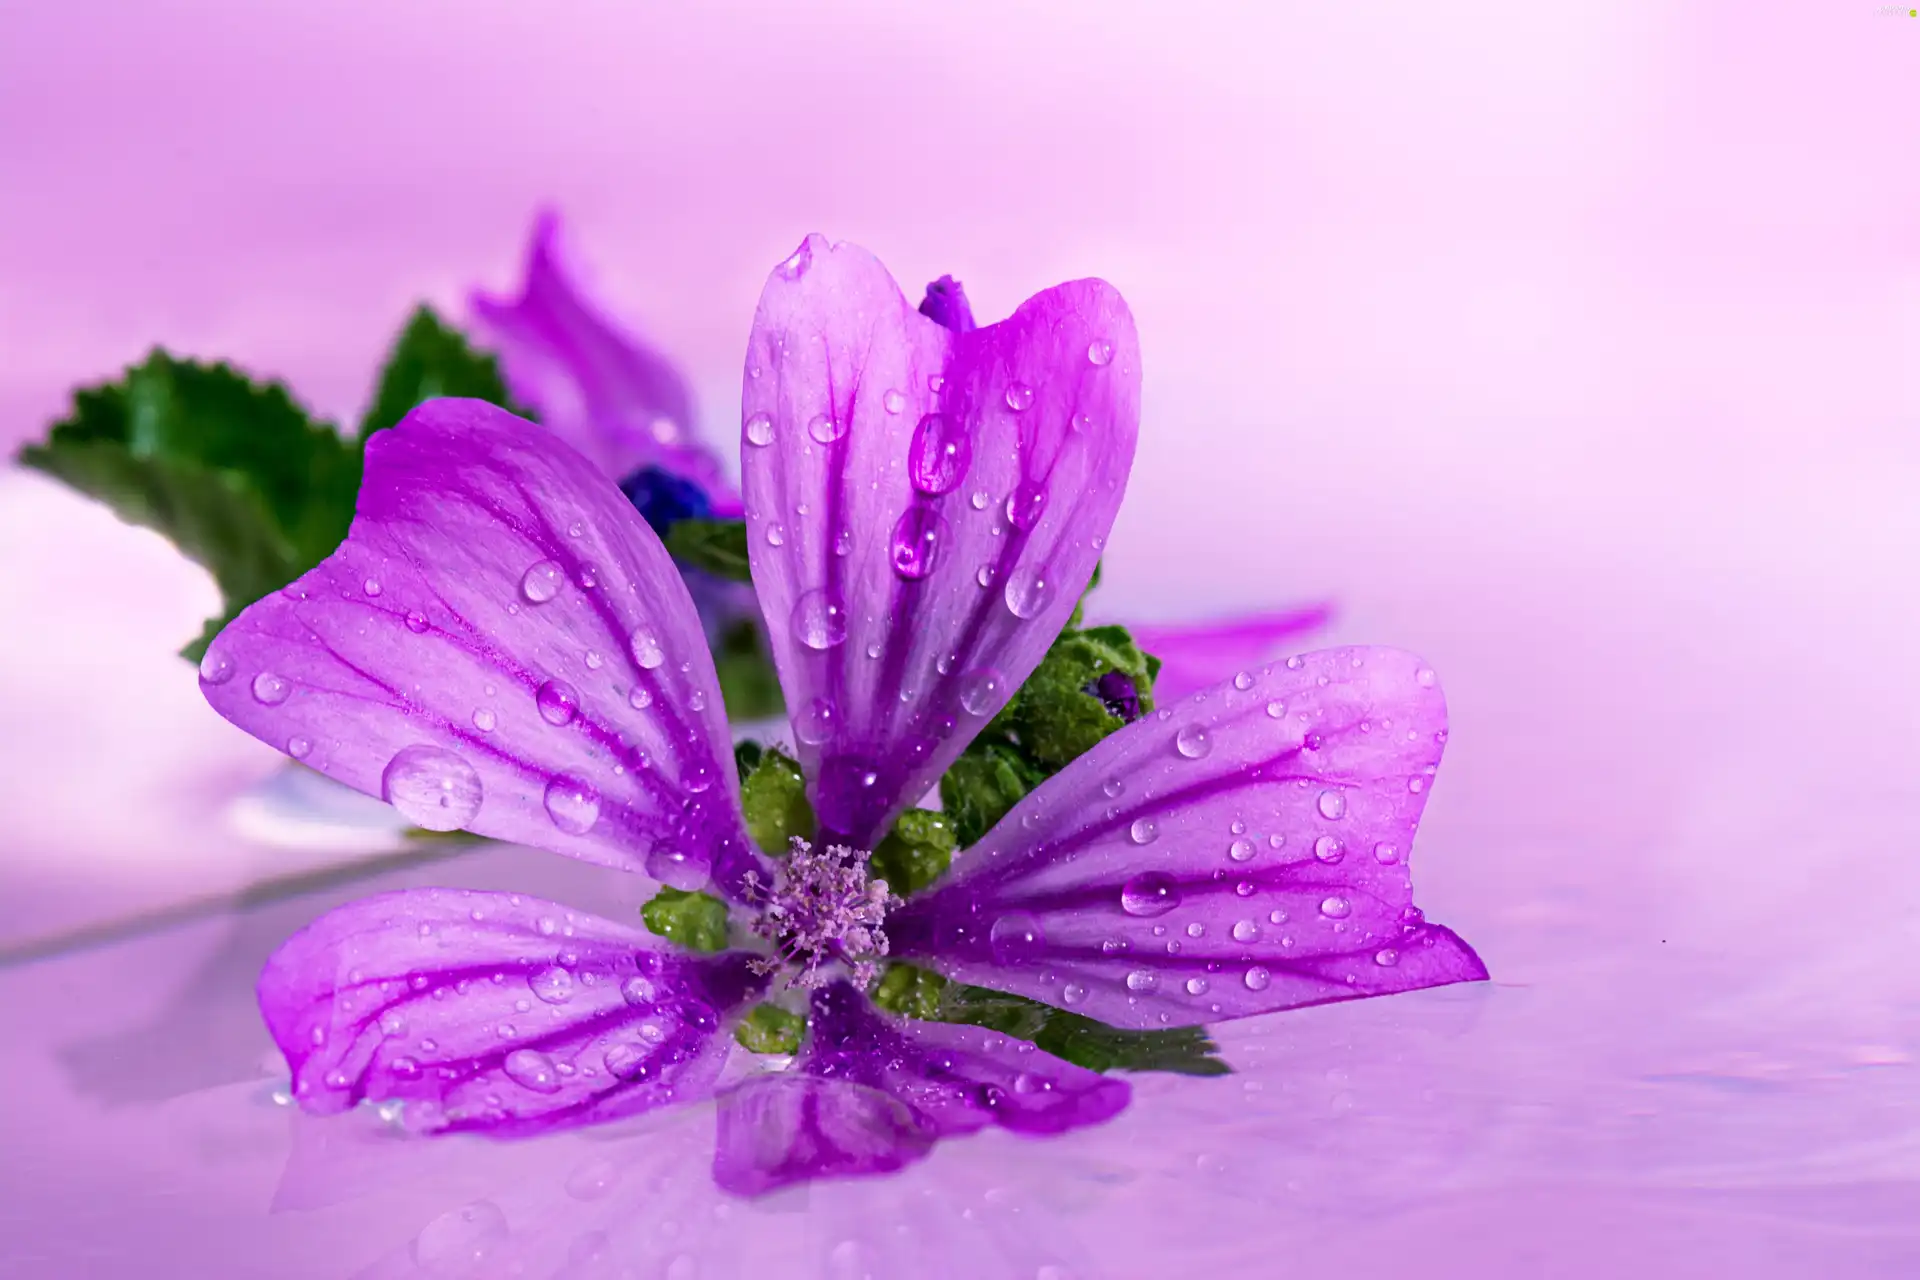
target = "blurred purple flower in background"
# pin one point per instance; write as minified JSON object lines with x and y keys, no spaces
{"x":501,"y":646}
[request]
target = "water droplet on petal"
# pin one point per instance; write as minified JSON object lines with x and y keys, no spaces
{"x":298,"y":747}
{"x":1029,"y":590}
{"x":645,"y":646}
{"x":1276,"y":709}
{"x":1425,"y":678}
{"x":979,"y":500}
{"x":1149,"y":894}
{"x":941,"y":452}
{"x":917,"y":539}
{"x":796,"y":264}
{"x":557,"y":701}
{"x":1016,"y":938}
{"x":542,"y":581}
{"x":552,"y":985}
{"x":1072,"y":993}
{"x":894,"y":401}
{"x":1019,"y":396}
{"x":573,"y":804}
{"x":1416,"y":785}
{"x":1143,"y":831}
{"x":1385,"y":853}
{"x":457,"y":1242}
{"x":758,"y":430}
{"x":825,"y":428}
{"x":431,"y":787}
{"x":216,"y":667}
{"x":819,"y":619}
{"x":1142,"y":980}
{"x":1026,"y":504}
{"x":816,"y":722}
{"x":1332,"y":805}
{"x":1257,"y":979}
{"x":1193,"y":742}
{"x":640,"y":992}
{"x":531,"y":1069}
{"x":1386,"y":957}
{"x":1240,"y":850}
{"x":776,"y":535}
{"x":678,"y":869}
{"x":1329,"y":849}
{"x":1100,"y":352}
{"x":416,"y":622}
{"x":270,"y":689}
{"x":982,"y":691}
{"x":1243,"y":680}
{"x":1245,"y":931}
{"x":1196,"y":986}
{"x":371,"y":586}
{"x":639,"y":699}
{"x":1335,"y":908}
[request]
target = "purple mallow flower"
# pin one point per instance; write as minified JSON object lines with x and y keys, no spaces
{"x":503,"y":645}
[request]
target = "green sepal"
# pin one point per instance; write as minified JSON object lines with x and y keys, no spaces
{"x":910,"y":991}
{"x":1054,"y":716}
{"x":916,"y":852}
{"x":768,"y":1028}
{"x":235,"y":473}
{"x":696,"y":921}
{"x":918,"y":993}
{"x":774,"y":798}
{"x":432,"y":358}
{"x":746,"y":755}
{"x":988,"y":779}
{"x":718,"y":546}
{"x":749,"y":685}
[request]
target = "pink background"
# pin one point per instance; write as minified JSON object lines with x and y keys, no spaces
{"x":1575,"y":346}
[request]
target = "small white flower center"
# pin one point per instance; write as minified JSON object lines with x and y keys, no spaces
{"x":823,"y":909}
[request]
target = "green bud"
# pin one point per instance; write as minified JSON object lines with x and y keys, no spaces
{"x":696,"y":921}
{"x":909,"y":991}
{"x":746,"y":754}
{"x":988,"y":779}
{"x":916,"y":852}
{"x":768,"y":1028}
{"x":1055,"y":717}
{"x":774,"y":798}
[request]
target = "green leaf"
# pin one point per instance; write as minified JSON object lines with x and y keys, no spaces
{"x":696,"y":921}
{"x":432,"y":358}
{"x":768,"y":1028}
{"x":231,"y":471}
{"x":717,"y":546}
{"x":978,"y":788}
{"x":917,"y":993}
{"x":1055,"y":716}
{"x":916,"y":852}
{"x":774,"y":799}
{"x":749,"y":685}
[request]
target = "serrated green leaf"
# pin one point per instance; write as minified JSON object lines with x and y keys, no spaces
{"x":768,"y":1028}
{"x":919,"y":993}
{"x":717,"y":546}
{"x":233,"y":472}
{"x":774,"y":800}
{"x":432,"y":358}
{"x":916,"y":852}
{"x":988,"y":779}
{"x":696,"y":921}
{"x":749,"y":685}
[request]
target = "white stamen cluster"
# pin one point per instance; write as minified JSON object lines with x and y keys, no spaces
{"x":823,"y":908}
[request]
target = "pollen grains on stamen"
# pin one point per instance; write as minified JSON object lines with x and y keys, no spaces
{"x":824,"y":908}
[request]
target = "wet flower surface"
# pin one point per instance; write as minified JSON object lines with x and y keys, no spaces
{"x":503,"y":646}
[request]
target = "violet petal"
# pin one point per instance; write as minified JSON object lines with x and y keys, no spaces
{"x":500,"y":645}
{"x":495,"y":1011}
{"x":1242,"y":851}
{"x":924,"y":509}
{"x":608,"y":394}
{"x":1195,"y":656}
{"x":946,"y":305}
{"x":942,"y":1079}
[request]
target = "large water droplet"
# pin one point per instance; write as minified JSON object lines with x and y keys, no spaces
{"x":552,"y":985}
{"x":457,"y":1243}
{"x":1099,"y":352}
{"x":1026,"y":504}
{"x":795,"y":264}
{"x":645,"y":647}
{"x":894,"y":401}
{"x":417,"y":622}
{"x":819,"y":619}
{"x":1072,"y":993}
{"x":1019,"y":397}
{"x":557,"y":701}
{"x":758,"y":430}
{"x":542,"y":581}
{"x":1335,"y":908}
{"x":1149,"y":894}
{"x":1258,"y":979}
{"x":270,"y":689}
{"x":1193,"y":742}
{"x":1240,"y":850}
{"x":1332,"y":805}
{"x":940,"y":454}
{"x":1196,"y":986}
{"x":917,"y":539}
{"x":573,"y":804}
{"x":678,"y":869}
{"x":1385,"y":853}
{"x":1016,"y":938}
{"x":431,"y":787}
{"x":1143,"y":831}
{"x":1245,"y":931}
{"x":531,"y":1069}
{"x":1142,"y":980}
{"x":628,"y":1061}
{"x":816,"y":722}
{"x":982,"y":690}
{"x":825,"y":428}
{"x":1386,"y":957}
{"x":216,"y":667}
{"x":1029,"y":591}
{"x":1329,"y":849}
